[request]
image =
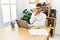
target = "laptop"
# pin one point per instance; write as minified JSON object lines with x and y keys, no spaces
{"x":23,"y":23}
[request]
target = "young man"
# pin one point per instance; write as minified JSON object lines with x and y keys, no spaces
{"x":38,"y":18}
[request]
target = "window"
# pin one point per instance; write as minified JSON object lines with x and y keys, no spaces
{"x":8,"y":10}
{"x":4,"y":1}
{"x":13,"y":11}
{"x":12,"y":1}
{"x":6,"y":13}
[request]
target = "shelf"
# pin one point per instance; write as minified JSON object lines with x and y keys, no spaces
{"x":45,"y":7}
{"x":51,"y":18}
{"x":50,"y":27}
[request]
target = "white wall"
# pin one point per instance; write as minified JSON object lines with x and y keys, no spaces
{"x":20,"y":7}
{"x":56,"y":5}
{"x":29,"y":6}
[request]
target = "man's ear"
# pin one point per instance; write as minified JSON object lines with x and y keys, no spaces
{"x":41,"y":9}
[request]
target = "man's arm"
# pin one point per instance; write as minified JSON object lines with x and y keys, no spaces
{"x":40,"y":20}
{"x":32,"y":19}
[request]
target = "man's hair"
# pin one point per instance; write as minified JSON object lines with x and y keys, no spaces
{"x":38,"y":4}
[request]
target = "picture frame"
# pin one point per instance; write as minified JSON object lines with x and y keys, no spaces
{"x":34,"y":1}
{"x":38,"y":1}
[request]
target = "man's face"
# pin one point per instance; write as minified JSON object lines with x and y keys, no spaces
{"x":38,"y":9}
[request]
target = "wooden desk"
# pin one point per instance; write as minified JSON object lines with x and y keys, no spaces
{"x":18,"y":34}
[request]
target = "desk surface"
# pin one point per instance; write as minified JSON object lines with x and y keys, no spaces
{"x":9,"y":33}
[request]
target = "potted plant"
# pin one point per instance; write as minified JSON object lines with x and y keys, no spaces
{"x":27,"y":14}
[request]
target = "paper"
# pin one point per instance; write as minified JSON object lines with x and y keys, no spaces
{"x":38,"y":32}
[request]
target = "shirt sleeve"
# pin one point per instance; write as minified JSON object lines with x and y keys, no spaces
{"x":43,"y":19}
{"x":40,"y":21}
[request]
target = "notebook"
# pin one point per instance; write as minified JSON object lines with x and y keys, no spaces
{"x":38,"y":32}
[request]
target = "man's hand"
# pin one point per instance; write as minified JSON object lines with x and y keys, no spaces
{"x":36,"y":13}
